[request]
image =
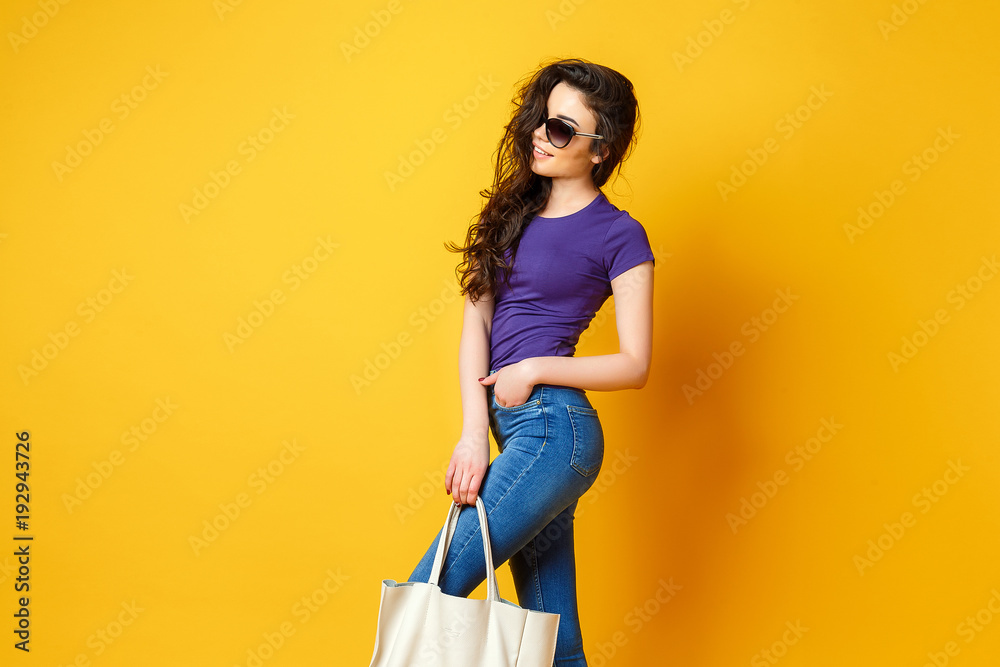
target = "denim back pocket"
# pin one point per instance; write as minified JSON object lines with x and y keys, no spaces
{"x":588,"y":440}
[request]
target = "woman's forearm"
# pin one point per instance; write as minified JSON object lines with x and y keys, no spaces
{"x":474,"y":363}
{"x":604,"y":372}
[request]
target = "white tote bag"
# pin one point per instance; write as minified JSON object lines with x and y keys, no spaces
{"x":420,"y":626}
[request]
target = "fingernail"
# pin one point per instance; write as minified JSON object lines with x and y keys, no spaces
{"x":481,"y":379}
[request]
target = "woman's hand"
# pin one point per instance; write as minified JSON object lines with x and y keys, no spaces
{"x":467,"y":468}
{"x":513,"y":384}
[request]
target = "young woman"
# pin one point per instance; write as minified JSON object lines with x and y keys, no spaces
{"x":562,"y":249}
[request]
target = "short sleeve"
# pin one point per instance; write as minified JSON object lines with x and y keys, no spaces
{"x":625,"y":246}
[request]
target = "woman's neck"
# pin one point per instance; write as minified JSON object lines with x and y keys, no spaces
{"x":568,"y":199}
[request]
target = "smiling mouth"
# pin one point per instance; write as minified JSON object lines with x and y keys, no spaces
{"x":539,"y":151}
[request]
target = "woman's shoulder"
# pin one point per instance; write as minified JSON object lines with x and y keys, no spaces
{"x":622,"y":223}
{"x":615,"y":215}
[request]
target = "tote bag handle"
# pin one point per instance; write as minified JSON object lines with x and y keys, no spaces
{"x":450,"y":523}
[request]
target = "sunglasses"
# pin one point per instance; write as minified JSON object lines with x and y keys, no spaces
{"x":560,"y":133}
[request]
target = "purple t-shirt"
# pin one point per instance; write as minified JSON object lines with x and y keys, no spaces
{"x":561,"y":277}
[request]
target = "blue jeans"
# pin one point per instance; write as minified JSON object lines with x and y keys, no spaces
{"x":551,"y":451}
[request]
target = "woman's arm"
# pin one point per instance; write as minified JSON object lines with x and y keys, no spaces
{"x":474,"y":363}
{"x":471,"y":457}
{"x":629,"y":368}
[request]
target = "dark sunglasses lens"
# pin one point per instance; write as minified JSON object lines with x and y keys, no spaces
{"x":558,"y":132}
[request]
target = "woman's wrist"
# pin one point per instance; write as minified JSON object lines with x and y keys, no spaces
{"x":530,"y":370}
{"x":476,"y":435}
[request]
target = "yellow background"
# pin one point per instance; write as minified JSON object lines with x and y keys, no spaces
{"x":362,"y":496}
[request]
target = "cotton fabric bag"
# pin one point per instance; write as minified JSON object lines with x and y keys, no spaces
{"x":420,"y":626}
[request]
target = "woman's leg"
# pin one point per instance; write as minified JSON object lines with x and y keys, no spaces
{"x":513,"y":520}
{"x":551,"y":450}
{"x":521,"y":494}
{"x":544,"y":572}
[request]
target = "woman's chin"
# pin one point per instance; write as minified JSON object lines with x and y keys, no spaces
{"x":540,"y":170}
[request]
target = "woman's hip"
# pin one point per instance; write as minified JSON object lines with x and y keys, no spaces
{"x":559,"y":419}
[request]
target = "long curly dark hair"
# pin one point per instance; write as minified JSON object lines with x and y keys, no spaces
{"x":518,"y":193}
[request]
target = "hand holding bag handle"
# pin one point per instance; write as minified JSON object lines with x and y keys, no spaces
{"x":419,"y":625}
{"x":450,"y":523}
